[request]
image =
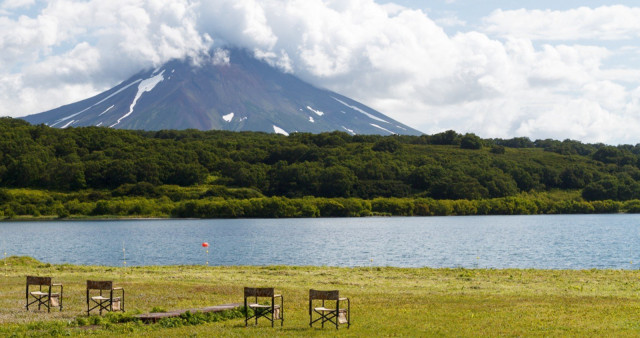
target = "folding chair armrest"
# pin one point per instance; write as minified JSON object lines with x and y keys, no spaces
{"x":281,"y":300}
{"x":121,"y":289}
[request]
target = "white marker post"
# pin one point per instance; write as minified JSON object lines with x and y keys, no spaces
{"x":206,"y":246}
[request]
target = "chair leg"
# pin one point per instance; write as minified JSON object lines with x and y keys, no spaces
{"x":246,"y":313}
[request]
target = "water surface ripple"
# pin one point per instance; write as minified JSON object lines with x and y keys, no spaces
{"x":542,"y":242}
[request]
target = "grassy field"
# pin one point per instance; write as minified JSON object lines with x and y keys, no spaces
{"x":385,"y":301}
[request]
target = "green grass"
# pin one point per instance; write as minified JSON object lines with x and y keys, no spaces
{"x":385,"y":301}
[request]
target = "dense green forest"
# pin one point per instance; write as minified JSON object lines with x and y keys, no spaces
{"x":99,"y":171}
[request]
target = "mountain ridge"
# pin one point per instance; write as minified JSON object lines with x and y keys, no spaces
{"x":243,"y":94}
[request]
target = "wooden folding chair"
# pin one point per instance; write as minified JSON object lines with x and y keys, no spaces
{"x":100,"y":302}
{"x":329,"y":314}
{"x":46,"y":297}
{"x":271,"y":312}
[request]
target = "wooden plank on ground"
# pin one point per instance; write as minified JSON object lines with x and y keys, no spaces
{"x":154,"y":317}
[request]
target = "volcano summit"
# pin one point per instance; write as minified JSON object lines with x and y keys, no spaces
{"x":231,"y":91}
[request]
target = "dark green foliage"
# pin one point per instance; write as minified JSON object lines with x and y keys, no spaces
{"x":604,"y":189}
{"x":448,"y":137}
{"x":237,"y":193}
{"x":369,"y":189}
{"x":144,"y":189}
{"x":619,"y":188}
{"x":575,"y":177}
{"x":119,"y":172}
{"x":497,"y":149}
{"x":470,"y":141}
{"x":186,"y":174}
{"x":5,"y":196}
{"x":516,"y":142}
{"x":189,"y":173}
{"x":336,"y":181}
{"x":388,"y":144}
{"x":614,"y":155}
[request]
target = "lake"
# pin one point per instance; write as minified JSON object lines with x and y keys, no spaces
{"x":541,"y":242}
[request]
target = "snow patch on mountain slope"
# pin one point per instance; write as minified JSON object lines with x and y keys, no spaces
{"x":360,"y":111}
{"x":349,"y":130}
{"x":106,"y":110}
{"x":144,"y":86}
{"x":68,"y":117}
{"x":95,"y":104}
{"x":117,"y":92}
{"x":387,"y":130}
{"x":228,"y":117}
{"x":280,"y":131}
{"x":68,"y":124}
{"x":315,"y":111}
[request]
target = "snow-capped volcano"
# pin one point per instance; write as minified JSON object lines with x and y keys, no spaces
{"x":241,"y":93}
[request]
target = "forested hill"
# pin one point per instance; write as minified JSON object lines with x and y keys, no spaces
{"x":448,"y":165}
{"x":442,"y":166}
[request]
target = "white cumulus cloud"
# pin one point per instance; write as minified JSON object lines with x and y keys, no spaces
{"x":15,"y":4}
{"x":74,"y":49}
{"x":616,"y":22}
{"x":533,"y":73}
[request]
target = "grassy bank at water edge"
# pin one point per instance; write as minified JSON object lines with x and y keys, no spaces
{"x":385,"y":301}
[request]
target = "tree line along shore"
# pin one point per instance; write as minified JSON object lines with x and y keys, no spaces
{"x":94,"y":172}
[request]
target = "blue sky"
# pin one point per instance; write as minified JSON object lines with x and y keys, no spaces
{"x":541,"y":69}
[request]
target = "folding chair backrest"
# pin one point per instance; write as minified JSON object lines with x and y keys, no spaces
{"x":99,"y":285}
{"x":324,"y":295}
{"x":33,"y":280}
{"x":258,"y":292}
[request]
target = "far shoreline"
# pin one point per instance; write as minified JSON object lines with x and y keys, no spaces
{"x":156,"y":218}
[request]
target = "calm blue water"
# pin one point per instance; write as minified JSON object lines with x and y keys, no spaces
{"x":549,"y":242}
